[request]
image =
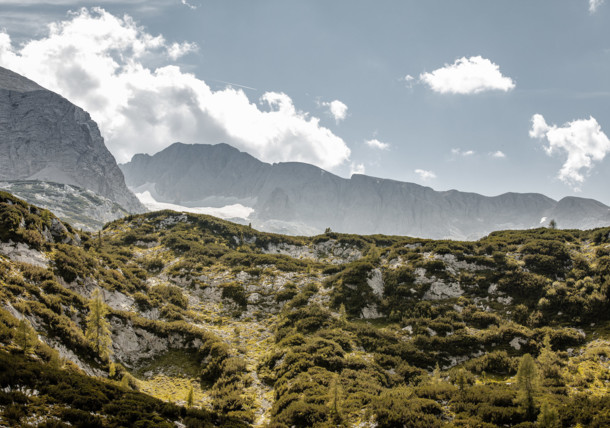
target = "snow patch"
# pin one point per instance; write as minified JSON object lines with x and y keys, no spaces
{"x":228,"y":211}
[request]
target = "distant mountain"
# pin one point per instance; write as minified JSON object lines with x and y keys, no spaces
{"x":45,"y":137}
{"x":294,"y":197}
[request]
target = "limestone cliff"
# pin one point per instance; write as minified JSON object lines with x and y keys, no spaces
{"x":45,"y":137}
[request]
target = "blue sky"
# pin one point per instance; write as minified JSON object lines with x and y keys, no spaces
{"x":478,"y":96}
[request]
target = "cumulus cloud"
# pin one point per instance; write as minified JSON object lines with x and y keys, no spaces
{"x":357,"y":168}
{"x":101,"y":62}
{"x":468,"y":76}
{"x":460,"y":152}
{"x":376,"y":144}
{"x":594,"y":4}
{"x":336,"y":109}
{"x":582,"y":141}
{"x":498,"y":155}
{"x":425,"y":175}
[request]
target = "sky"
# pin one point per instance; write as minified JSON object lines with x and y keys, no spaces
{"x":479,"y":96}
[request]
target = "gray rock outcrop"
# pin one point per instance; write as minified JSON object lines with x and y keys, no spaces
{"x":45,"y":137}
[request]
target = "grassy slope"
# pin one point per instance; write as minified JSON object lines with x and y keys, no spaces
{"x":283,"y":342}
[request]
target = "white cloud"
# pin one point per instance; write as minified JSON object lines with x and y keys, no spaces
{"x":357,"y":168}
{"x":337,"y":110}
{"x":468,"y":76}
{"x":409,"y":80}
{"x":581,"y":140}
{"x":187,"y":4}
{"x":176,"y":50}
{"x":459,"y":152}
{"x":425,"y":175}
{"x":498,"y":155}
{"x":376,"y":144}
{"x":101,"y":63}
{"x":594,"y":4}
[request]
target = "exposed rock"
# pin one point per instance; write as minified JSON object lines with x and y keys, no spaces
{"x":67,"y":353}
{"x":439,"y":290}
{"x":330,"y":251}
{"x":117,"y":300}
{"x":45,"y":137}
{"x":21,"y":252}
{"x":517,"y":342}
{"x":453,"y":265}
{"x":375,"y":281}
{"x":132,"y":344}
{"x":82,"y":208}
{"x":505,"y":300}
{"x":370,"y":312}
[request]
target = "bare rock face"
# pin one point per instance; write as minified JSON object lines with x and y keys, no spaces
{"x":45,"y":137}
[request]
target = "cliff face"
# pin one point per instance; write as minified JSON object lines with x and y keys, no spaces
{"x":305,"y":195}
{"x":45,"y":137}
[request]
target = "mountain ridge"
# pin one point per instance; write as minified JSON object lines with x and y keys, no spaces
{"x":299,"y":193}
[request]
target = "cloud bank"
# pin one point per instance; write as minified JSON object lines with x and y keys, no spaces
{"x":582,"y":141}
{"x":101,"y":62}
{"x":467,"y":76}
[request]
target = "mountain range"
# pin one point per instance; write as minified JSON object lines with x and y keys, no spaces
{"x":296,"y":198}
{"x":46,"y":142}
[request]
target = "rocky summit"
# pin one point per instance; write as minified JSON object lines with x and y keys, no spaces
{"x":45,"y":137}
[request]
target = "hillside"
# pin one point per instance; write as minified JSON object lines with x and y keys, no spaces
{"x":280,"y":331}
{"x":299,"y":198}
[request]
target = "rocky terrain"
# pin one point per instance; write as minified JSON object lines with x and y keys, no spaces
{"x":273,"y":330}
{"x":80,"y":207}
{"x":45,"y":137}
{"x":298,"y":198}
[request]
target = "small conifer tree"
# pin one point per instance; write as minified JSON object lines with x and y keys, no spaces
{"x":98,"y":327}
{"x":25,"y":336}
{"x":548,"y":417}
{"x":527,"y":380}
{"x":549,"y":361}
{"x":189,"y":397}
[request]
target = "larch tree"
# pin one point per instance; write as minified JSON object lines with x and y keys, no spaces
{"x":527,"y":380}
{"x":25,"y":336}
{"x":98,"y":327}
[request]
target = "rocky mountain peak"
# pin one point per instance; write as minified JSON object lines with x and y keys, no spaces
{"x":11,"y":81}
{"x":45,"y":137}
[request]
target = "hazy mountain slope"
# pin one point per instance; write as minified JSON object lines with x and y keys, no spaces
{"x":45,"y":137}
{"x":298,"y":193}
